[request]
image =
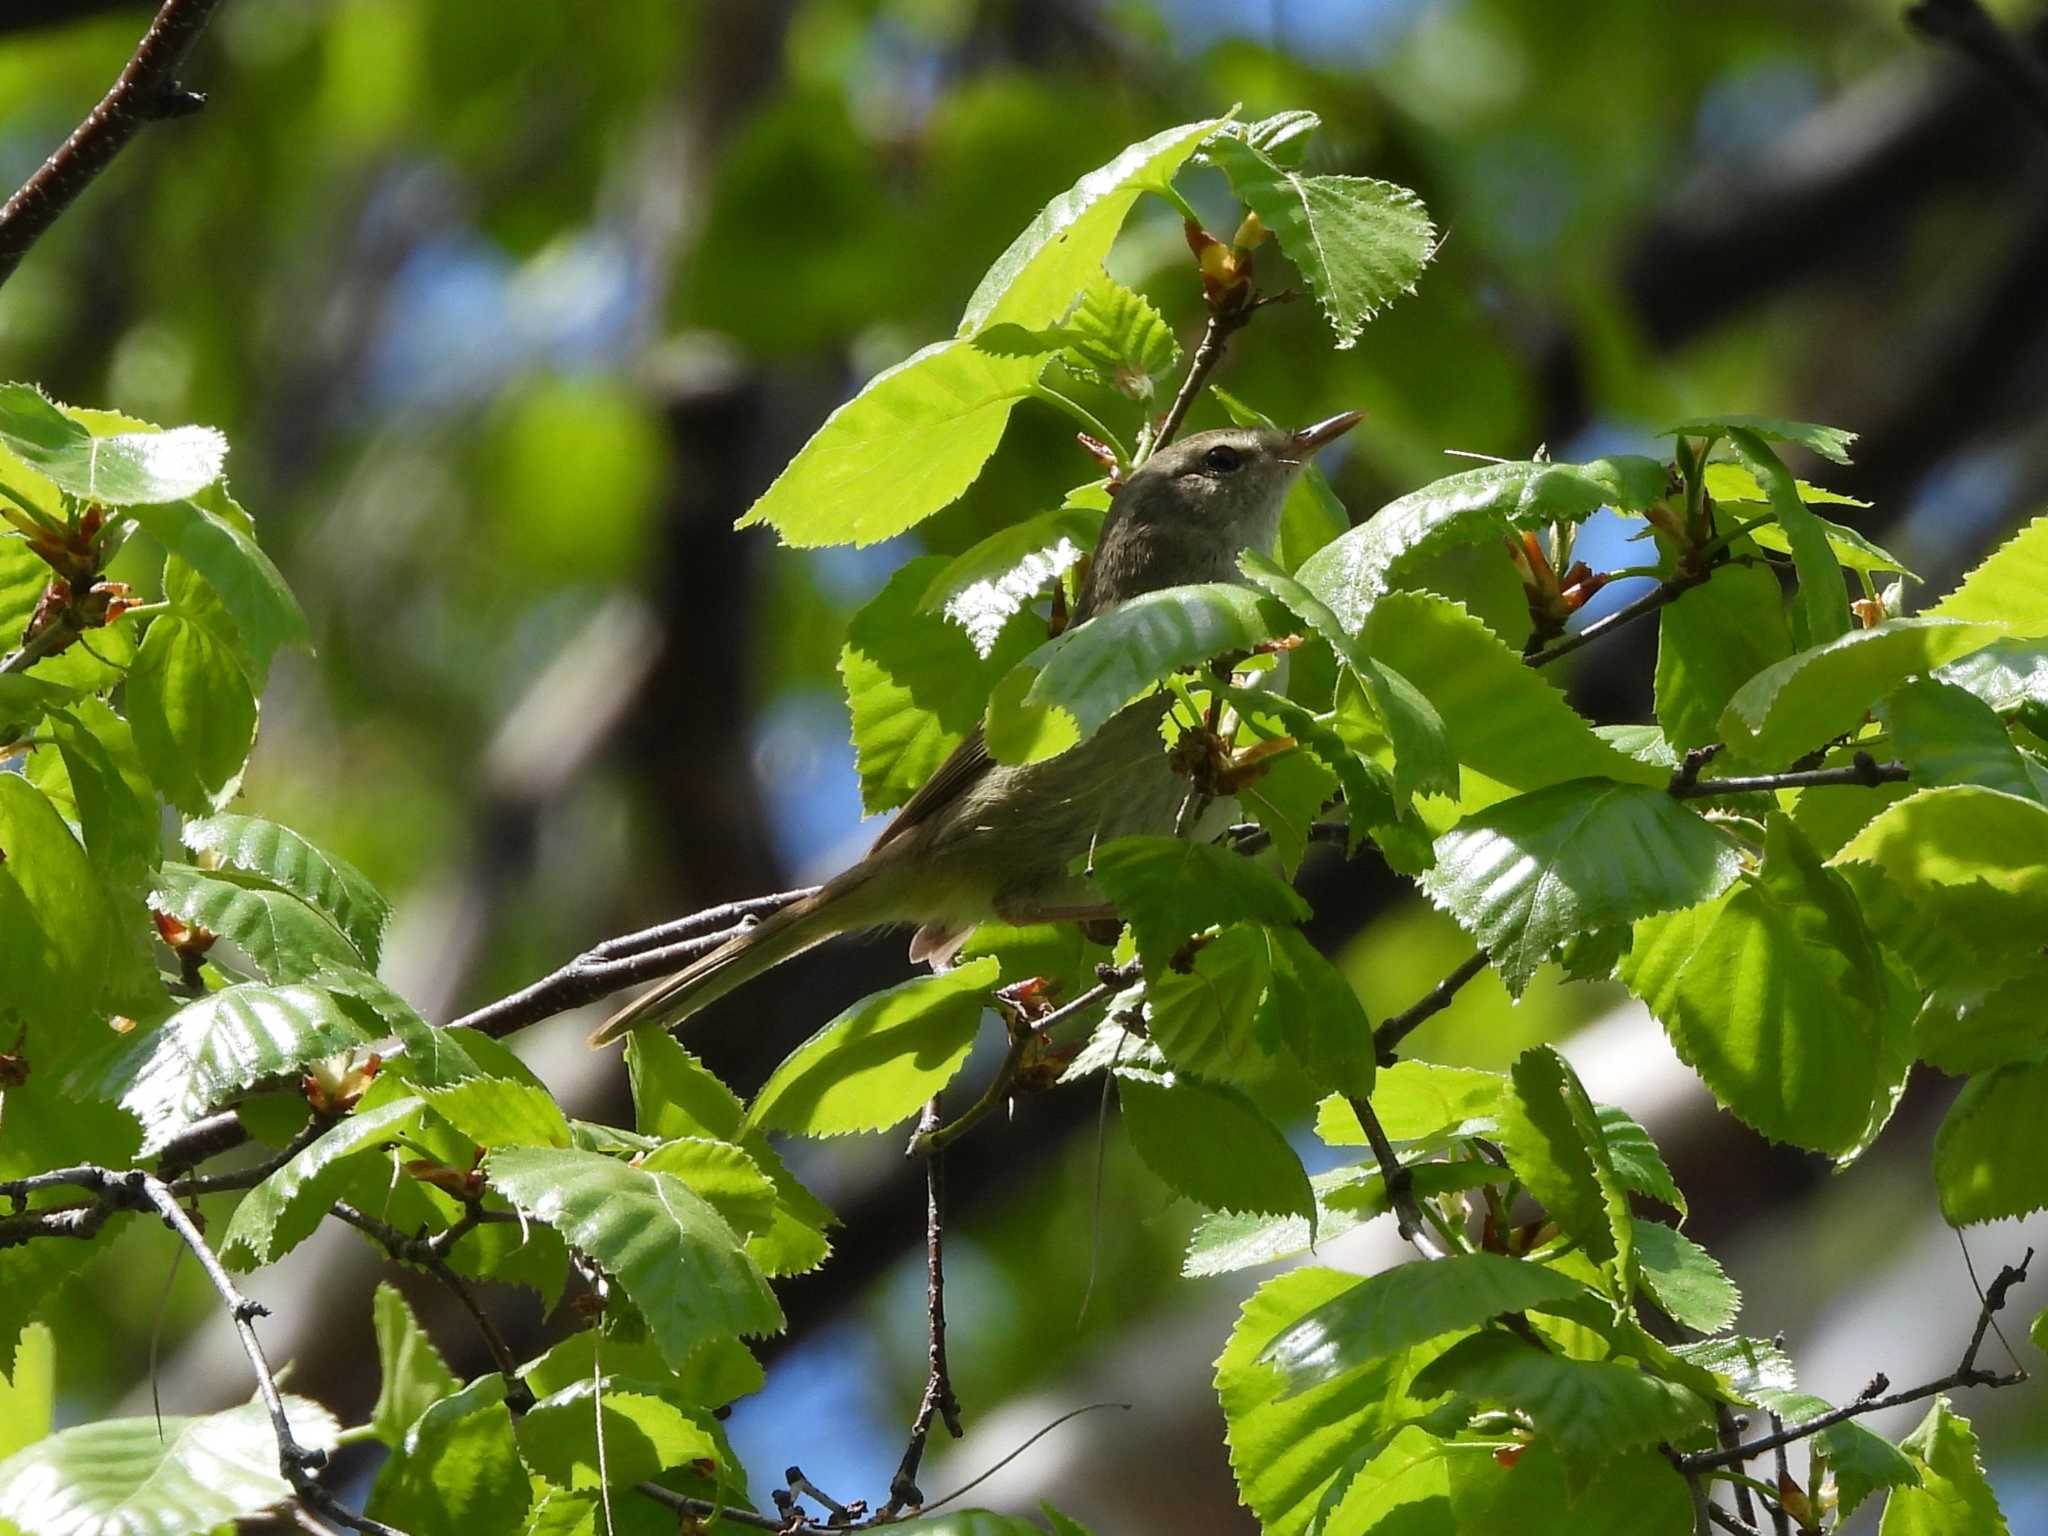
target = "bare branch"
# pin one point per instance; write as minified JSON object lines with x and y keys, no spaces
{"x":1670,"y":589}
{"x":146,"y":91}
{"x":1387,"y":1038}
{"x":938,"y":1401}
{"x":1865,"y":771}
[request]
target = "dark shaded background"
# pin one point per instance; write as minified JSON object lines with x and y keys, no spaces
{"x":510,"y":310}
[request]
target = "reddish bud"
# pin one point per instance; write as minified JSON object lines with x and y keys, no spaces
{"x":1508,"y":1455}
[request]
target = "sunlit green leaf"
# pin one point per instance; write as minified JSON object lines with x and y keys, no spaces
{"x":28,"y":1390}
{"x":1118,"y":337}
{"x":193,"y":713}
{"x":2009,"y":587}
{"x":1209,"y":1142}
{"x":1947,"y":735}
{"x":1829,"y":442}
{"x":1683,"y":1278}
{"x":1820,"y":607}
{"x":114,"y":470}
{"x":322,"y":880}
{"x":982,"y":588}
{"x":412,"y":1377}
{"x":1710,"y":641}
{"x":1420,"y":1101}
{"x":1954,"y":1497}
{"x":1989,"y":1154}
{"x":211,"y":533}
{"x":643,"y":1433}
{"x":56,"y":924}
{"x":287,"y":939}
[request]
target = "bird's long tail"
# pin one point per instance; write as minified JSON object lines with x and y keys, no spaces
{"x":797,"y":927}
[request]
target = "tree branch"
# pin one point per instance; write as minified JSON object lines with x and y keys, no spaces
{"x":1968,"y":28}
{"x":1668,"y":590}
{"x":1399,"y":1181}
{"x":938,"y":1401}
{"x":146,"y":91}
{"x":1391,"y":1032}
{"x":1864,"y":770}
{"x":1966,"y":1374}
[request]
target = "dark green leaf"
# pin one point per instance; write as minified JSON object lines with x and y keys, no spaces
{"x":283,"y":1211}
{"x":287,"y":939}
{"x":56,"y":924}
{"x":1947,"y":735}
{"x":1315,"y":1011}
{"x":1206,"y":1017}
{"x":1711,"y":641}
{"x":1861,"y":1462}
{"x":412,"y":1375}
{"x":1637,"y":1162}
{"x":458,"y":1468}
{"x":1168,"y":888}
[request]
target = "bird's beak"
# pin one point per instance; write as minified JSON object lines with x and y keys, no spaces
{"x":1325,"y":432}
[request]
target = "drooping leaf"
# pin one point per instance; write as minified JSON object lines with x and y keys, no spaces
{"x":644,"y":1433}
{"x":914,"y":684}
{"x":1554,"y":1142}
{"x":1063,"y":691}
{"x":1209,"y":1142}
{"x":1525,"y":875}
{"x":126,"y":1475}
{"x":322,"y":880}
{"x":412,"y":1377}
{"x":1408,"y":1305}
{"x":982,"y":588}
{"x":1473,"y":506}
{"x":2008,"y":586}
{"x":1318,"y":1015}
{"x":674,"y":1256}
{"x":1954,"y":1497}
{"x":193,"y":713}
{"x":1034,"y":282}
{"x":1947,"y":735}
{"x":287,"y":939}
{"x":1798,"y":703}
{"x":876,"y":1063}
{"x":1988,"y":1153}
{"x":1683,"y":1278}
{"x":1360,"y":243}
{"x":1712,"y":640}
{"x":1820,"y":607}
{"x":1168,"y":888}
{"x":282,"y":1212}
{"x":115,"y":469}
{"x":457,"y":1469}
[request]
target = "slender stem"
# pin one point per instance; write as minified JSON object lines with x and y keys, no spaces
{"x":1090,"y":422}
{"x":938,"y":1401}
{"x":1387,"y":1038}
{"x":1968,"y":28}
{"x":1730,"y":1523}
{"x":1865,"y":771}
{"x":145,"y":92}
{"x":1400,"y":1183}
{"x":1208,"y":353}
{"x":1781,"y":1518}
{"x":51,"y":640}
{"x":1667,"y":590}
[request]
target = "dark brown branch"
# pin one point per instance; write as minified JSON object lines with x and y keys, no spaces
{"x":1399,"y":1181}
{"x":146,"y":91}
{"x":1966,"y":1374}
{"x":1223,"y":324}
{"x":1968,"y":28}
{"x":938,"y":1401}
{"x":705,"y":1509}
{"x":1387,"y":1038}
{"x":1730,"y":1523}
{"x":624,"y":961}
{"x":1865,"y":771}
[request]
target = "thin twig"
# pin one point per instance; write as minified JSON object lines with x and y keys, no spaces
{"x":1398,"y":1180}
{"x":1730,"y":1434}
{"x":1668,"y":590}
{"x":1730,"y":1523}
{"x":1966,"y":1374}
{"x":623,"y":961}
{"x":1781,"y":1518}
{"x":146,"y":92}
{"x":48,"y":642}
{"x":1387,"y":1038}
{"x":1208,"y":353}
{"x":938,"y":1401}
{"x":1968,"y":28}
{"x":1865,"y":771}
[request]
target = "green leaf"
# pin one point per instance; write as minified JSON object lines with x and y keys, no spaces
{"x":1710,"y":641}
{"x":1829,"y":442}
{"x":214,"y":536}
{"x":458,"y":1468}
{"x":1033,"y":283}
{"x":1976,"y":1023}
{"x":718,"y":1372}
{"x":1693,"y":1290}
{"x":1471,"y":507}
{"x":287,"y":939}
{"x":724,"y":1175}
{"x":982,"y":589}
{"x":1727,"y":482}
{"x":2009,"y":587}
{"x":1820,"y":606}
{"x":1065,"y":690}
{"x":1206,"y":1017}
{"x":2009,"y":675}
{"x":1226,"y":1241}
{"x":1947,"y":735}
{"x":644,"y":1433}
{"x":412,"y":1375}
{"x":1407,"y":1305}
{"x":1360,"y":243}
{"x":670,"y":1252}
{"x":1862,"y":1462}
{"x":174,"y":1074}
{"x":96,"y":776}
{"x":1988,"y":1155}
{"x":114,"y":470}
{"x":1776,"y":995}
{"x":1554,"y":1142}
{"x":875,"y":1064}
{"x":193,"y":713}
{"x":328,"y":884}
{"x":1168,"y":888}
{"x":493,"y":1112}
{"x":1288,"y":1450}
{"x":903,"y":448}
{"x":283,"y":1211}
{"x":1635,"y":1494}
{"x":1116,"y":336}
{"x":1209,"y":1142}
{"x":1420,"y":1101}
{"x":134,"y":1475}
{"x":1796,"y":704}
{"x":1368,"y":793}
{"x":1954,"y":1497}
{"x":1504,"y":719}
{"x":1315,"y":1011}
{"x":56,"y":925}
{"x":1851,"y":550}
{"x":1589,"y":1409}
{"x":914,"y":685}
{"x":1637,"y":1162}
{"x":28,"y":1393}
{"x":1527,"y":874}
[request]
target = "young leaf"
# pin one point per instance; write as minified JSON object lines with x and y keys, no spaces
{"x":1525,"y":875}
{"x":1407,"y":1305}
{"x":1821,"y":608}
{"x":1862,"y":1462}
{"x":56,"y":924}
{"x":1637,"y":1162}
{"x":983,"y":588}
{"x":1693,"y":1290}
{"x":1947,"y":735}
{"x":1473,"y":506}
{"x":1954,"y":1497}
{"x":283,"y":1211}
{"x":1710,"y":641}
{"x":328,"y":884}
{"x":1796,"y":704}
{"x":1206,"y":1018}
{"x":287,"y":939}
{"x":1064,"y":691}
{"x":877,"y":1062}
{"x":177,"y":1474}
{"x":644,"y":1433}
{"x":1829,"y":442}
{"x":914,"y":684}
{"x":212,"y":534}
{"x":1554,"y":1142}
{"x":1210,"y":1143}
{"x":2009,"y":587}
{"x":724,"y":1175}
{"x":193,"y":713}
{"x":1033,"y":283}
{"x":114,"y":470}
{"x":412,"y":1376}
{"x":1988,"y":1155}
{"x":1168,"y":888}
{"x":1776,"y":995}
{"x":1360,"y":243}
{"x":670,"y":1252}
{"x":458,"y":1468}
{"x":496,"y":1112}
{"x":1420,"y":1101}
{"x":1116,"y":336}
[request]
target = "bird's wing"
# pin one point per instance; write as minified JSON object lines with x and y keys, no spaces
{"x":970,"y":760}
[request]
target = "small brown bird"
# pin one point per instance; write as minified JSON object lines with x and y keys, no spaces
{"x":983,"y":840}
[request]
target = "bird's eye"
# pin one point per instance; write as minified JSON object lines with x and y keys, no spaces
{"x":1222,"y":459}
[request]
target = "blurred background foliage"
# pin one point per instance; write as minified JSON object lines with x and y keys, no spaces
{"x":510,"y":310}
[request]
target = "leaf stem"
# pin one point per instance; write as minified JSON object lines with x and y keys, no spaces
{"x":1089,"y":421}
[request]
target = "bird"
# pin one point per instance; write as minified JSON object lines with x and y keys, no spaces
{"x":983,"y":840}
